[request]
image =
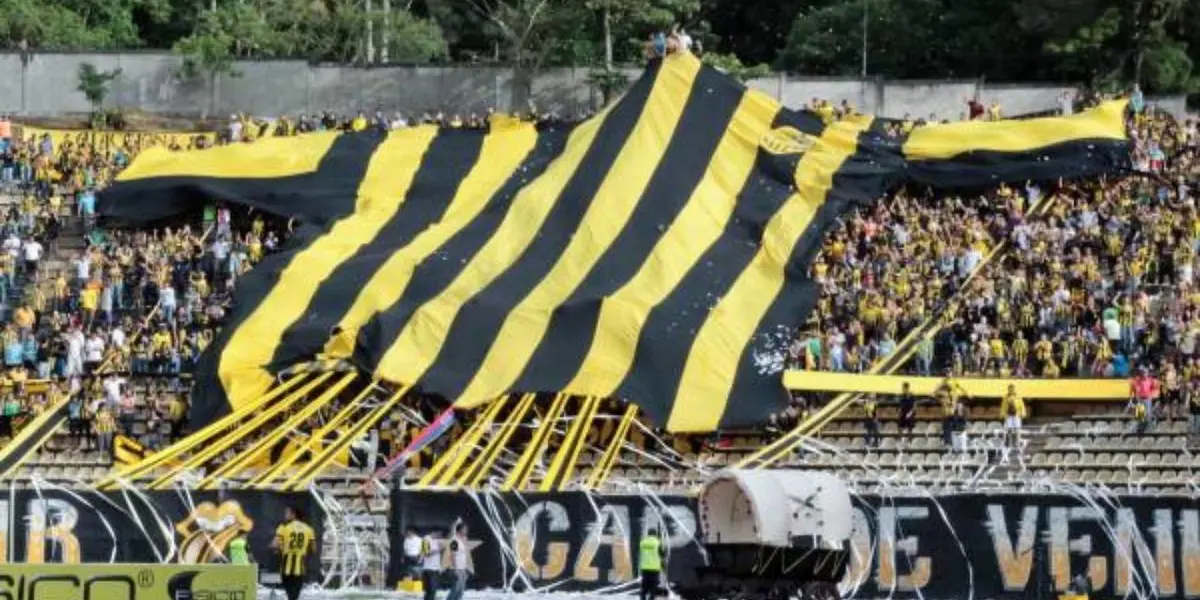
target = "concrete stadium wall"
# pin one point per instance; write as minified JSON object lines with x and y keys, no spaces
{"x":45,"y":85}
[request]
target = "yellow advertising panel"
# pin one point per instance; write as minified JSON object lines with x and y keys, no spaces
{"x":1104,"y":390}
{"x":108,"y":141}
{"x":128,"y":582}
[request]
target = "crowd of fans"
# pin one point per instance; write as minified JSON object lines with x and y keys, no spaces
{"x":122,"y":305}
{"x":1098,"y":279}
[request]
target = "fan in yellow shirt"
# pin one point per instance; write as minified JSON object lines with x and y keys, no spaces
{"x":295,"y":542}
{"x":1012,"y":408}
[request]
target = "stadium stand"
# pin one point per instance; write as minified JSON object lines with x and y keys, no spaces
{"x":1061,"y":279}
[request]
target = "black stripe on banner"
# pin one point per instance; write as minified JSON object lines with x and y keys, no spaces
{"x":757,"y":389}
{"x":208,"y":401}
{"x":710,"y":106}
{"x":15,"y":454}
{"x":432,"y":276}
{"x":671,"y":328}
{"x":476,"y":326}
{"x":1070,"y":160}
{"x":319,"y":197}
{"x":448,"y":160}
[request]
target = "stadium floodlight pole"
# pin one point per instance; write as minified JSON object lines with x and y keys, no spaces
{"x":866,"y":13}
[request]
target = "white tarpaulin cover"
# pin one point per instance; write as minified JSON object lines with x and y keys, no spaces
{"x":771,"y":508}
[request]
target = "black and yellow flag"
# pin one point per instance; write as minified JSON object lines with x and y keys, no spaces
{"x":656,"y":252}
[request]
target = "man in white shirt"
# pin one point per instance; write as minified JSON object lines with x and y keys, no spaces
{"x":167,"y":302}
{"x":117,"y":337}
{"x":83,"y":268}
{"x":113,"y":387}
{"x":685,"y":41}
{"x":75,"y":344}
{"x":431,"y":566}
{"x":235,"y":128}
{"x":412,"y":554}
{"x":32,"y":249}
{"x":458,"y":561}
{"x":93,"y":353}
{"x":12,"y":245}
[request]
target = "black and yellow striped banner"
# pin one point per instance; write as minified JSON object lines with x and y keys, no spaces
{"x":32,"y":436}
{"x":657,"y":252}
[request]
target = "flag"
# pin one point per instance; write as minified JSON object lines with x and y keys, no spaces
{"x":432,"y":431}
{"x":657,"y":252}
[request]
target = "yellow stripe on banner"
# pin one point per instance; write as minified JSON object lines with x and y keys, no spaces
{"x":1105,"y":122}
{"x":233,"y":437}
{"x":313,"y":442}
{"x":471,"y":478}
{"x":716,"y":351}
{"x":422,"y":338}
{"x":519,"y":475}
{"x":269,"y":159}
{"x":1047,"y":389}
{"x":471,"y":441}
{"x":581,"y":420}
{"x":572,"y":458}
{"x":462,"y":446}
{"x":698,"y":226}
{"x":501,"y":154}
{"x":601,"y":470}
{"x":607,"y":213}
{"x":33,"y":435}
{"x":323,"y":459}
{"x":263,"y":445}
{"x":382,"y":191}
{"x":198,"y":438}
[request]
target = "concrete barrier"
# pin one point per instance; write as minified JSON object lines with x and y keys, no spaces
{"x":44,"y":84}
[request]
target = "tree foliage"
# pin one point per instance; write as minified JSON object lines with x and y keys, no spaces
{"x":93,"y":83}
{"x":1100,"y":42}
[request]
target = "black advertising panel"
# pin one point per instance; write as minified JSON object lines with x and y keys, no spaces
{"x":956,"y":546}
{"x":62,"y":526}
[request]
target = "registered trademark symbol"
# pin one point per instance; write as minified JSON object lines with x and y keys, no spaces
{"x":145,"y":578}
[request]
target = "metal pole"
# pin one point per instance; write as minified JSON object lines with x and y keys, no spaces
{"x":866,"y":12}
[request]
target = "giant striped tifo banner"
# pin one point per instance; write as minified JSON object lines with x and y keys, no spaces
{"x":656,"y":252}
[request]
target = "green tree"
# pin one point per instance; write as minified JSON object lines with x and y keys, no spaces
{"x":1115,"y":42}
{"x":755,"y":31}
{"x":903,"y":39}
{"x":208,"y":54}
{"x":412,"y":39}
{"x":527,"y":31}
{"x":93,"y":84}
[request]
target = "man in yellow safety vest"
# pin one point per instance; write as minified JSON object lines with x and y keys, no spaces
{"x":650,"y":563}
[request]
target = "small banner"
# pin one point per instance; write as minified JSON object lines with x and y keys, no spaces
{"x":128,"y":582}
{"x":108,"y":141}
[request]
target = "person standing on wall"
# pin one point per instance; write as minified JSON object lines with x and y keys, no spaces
{"x":295,"y":542}
{"x":650,"y":563}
